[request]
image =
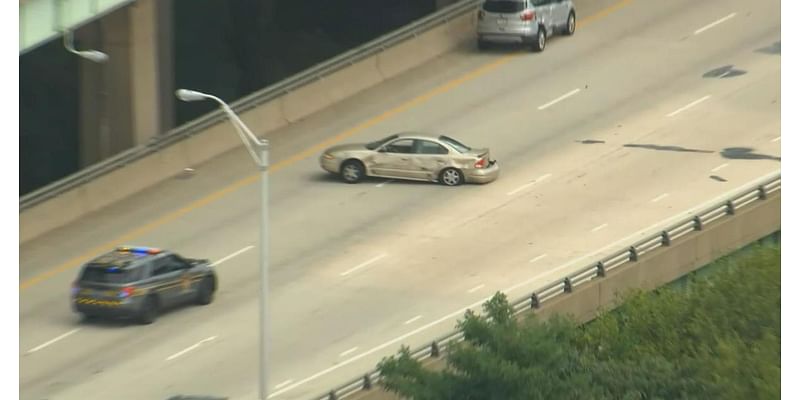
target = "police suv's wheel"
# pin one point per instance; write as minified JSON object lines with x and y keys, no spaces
{"x":205,"y":293}
{"x":541,"y":40}
{"x":87,"y":317}
{"x":570,"y":28}
{"x":149,"y":311}
{"x":352,"y":171}
{"x":451,"y":177}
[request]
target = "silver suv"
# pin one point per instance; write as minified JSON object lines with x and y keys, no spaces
{"x":524,"y":21}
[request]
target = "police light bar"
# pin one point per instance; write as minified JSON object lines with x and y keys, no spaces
{"x":139,"y":250}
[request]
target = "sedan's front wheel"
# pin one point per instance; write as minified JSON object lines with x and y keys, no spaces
{"x":352,"y":171}
{"x":451,"y":177}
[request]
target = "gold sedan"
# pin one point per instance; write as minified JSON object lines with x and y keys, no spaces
{"x":414,"y":156}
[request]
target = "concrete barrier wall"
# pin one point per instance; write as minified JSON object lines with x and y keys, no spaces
{"x":654,"y":269}
{"x":265,"y":118}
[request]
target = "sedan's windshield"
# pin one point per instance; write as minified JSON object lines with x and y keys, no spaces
{"x":461,"y":147}
{"x":378,"y":143}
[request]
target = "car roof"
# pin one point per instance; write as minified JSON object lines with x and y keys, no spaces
{"x":417,"y":135}
{"x":125,"y":256}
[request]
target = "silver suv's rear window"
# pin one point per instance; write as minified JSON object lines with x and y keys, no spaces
{"x":504,"y":6}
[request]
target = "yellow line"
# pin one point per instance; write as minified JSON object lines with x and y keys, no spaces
{"x":171,"y":216}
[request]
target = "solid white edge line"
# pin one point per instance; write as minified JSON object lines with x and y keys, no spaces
{"x":527,"y":185}
{"x":190,"y":348}
{"x":384,"y":183}
{"x":282,"y":384}
{"x":597,"y":228}
{"x":719,"y":167}
{"x":715,"y":23}
{"x":572,"y":93}
{"x":348,"y":351}
{"x":51,"y":341}
{"x":412,"y":320}
{"x":776,"y":139}
{"x":476,"y":288}
{"x":660,"y":197}
{"x":690,"y":105}
{"x":226,"y":258}
{"x":537,"y":258}
{"x":364,"y":264}
{"x":572,"y":263}
{"x":377,"y":348}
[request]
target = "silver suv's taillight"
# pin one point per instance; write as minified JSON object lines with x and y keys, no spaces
{"x":527,"y":15}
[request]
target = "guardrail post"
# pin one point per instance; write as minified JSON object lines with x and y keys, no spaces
{"x":762,"y":192}
{"x":731,"y":207}
{"x":634,"y":255}
{"x":332,"y":395}
{"x":434,"y":349}
{"x":601,"y":269}
{"x":698,"y":223}
{"x":367,"y":382}
{"x":567,"y":285}
{"x":535,"y":300}
{"x":665,"y":239}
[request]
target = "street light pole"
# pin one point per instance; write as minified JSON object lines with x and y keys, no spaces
{"x":263,"y":298}
{"x":100,"y":58}
{"x":259,"y":150}
{"x":91,"y":55}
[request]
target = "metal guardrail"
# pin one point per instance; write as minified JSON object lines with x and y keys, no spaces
{"x":770,"y":184}
{"x":312,"y":74}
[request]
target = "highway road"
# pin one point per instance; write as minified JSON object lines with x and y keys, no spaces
{"x":650,"y":109}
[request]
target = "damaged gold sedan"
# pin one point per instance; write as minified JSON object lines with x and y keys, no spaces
{"x":413,"y":156}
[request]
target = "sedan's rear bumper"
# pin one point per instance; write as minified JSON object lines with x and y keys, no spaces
{"x":483,"y":175}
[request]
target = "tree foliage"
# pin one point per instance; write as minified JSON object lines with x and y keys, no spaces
{"x":716,"y":337}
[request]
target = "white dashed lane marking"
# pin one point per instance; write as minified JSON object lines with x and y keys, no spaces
{"x":715,"y":23}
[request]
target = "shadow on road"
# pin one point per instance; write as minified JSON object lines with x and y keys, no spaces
{"x":774,"y":48}
{"x":666,"y":148}
{"x":745,"y":153}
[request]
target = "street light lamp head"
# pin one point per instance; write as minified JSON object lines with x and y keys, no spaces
{"x":94,"y":55}
{"x":190,"y":95}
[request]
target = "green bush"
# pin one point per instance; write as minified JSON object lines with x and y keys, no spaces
{"x":717,"y":337}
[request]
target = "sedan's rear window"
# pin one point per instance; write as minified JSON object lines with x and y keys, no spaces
{"x":109,"y":274}
{"x":461,"y":147}
{"x":504,"y":6}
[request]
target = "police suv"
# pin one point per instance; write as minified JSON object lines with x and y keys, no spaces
{"x":139,"y":282}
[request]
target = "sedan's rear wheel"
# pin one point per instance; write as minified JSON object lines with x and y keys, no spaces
{"x":451,"y":177}
{"x":352,"y":171}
